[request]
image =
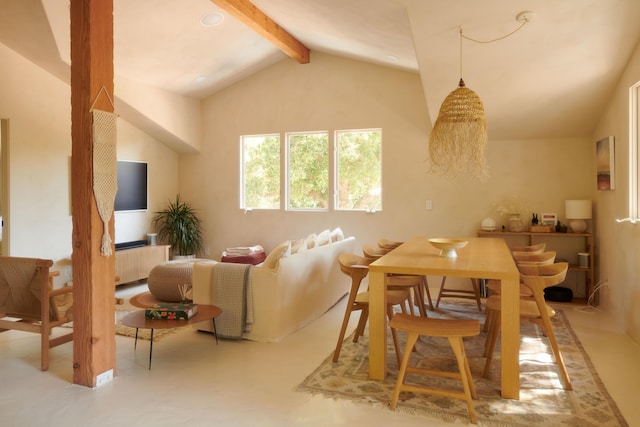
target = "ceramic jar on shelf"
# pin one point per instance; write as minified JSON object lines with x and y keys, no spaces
{"x":515,"y":223}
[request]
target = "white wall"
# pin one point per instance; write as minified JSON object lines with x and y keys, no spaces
{"x":37,"y":108}
{"x":332,"y":93}
{"x":619,"y":243}
{"x":163,"y":180}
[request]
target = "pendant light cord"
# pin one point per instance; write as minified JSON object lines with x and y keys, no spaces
{"x":461,"y":36}
{"x":524,"y":22}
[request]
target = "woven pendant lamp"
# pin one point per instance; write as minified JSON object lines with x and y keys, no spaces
{"x":459,"y":136}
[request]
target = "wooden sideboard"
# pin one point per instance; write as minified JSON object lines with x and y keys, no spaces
{"x":135,"y":263}
{"x":552,"y":240}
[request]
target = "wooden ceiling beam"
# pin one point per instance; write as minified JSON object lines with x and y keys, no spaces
{"x":247,"y":13}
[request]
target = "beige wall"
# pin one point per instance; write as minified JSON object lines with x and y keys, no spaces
{"x":327,"y":94}
{"x":332,"y":93}
{"x":37,"y":108}
{"x":619,"y":243}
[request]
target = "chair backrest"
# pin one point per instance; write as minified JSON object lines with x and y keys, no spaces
{"x":531,"y":249}
{"x":23,"y":282}
{"x":388,"y":244}
{"x":354,"y":266}
{"x":544,"y":258}
{"x":374,"y":252}
{"x":539,"y":277}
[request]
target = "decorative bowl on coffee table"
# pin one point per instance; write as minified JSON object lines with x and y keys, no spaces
{"x":447,"y":246}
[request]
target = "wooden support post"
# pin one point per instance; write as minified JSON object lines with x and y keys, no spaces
{"x":93,"y":275}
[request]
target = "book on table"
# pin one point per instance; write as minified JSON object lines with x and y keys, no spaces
{"x":171,"y":311}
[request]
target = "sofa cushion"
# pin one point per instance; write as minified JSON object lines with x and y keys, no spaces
{"x":297,"y":244}
{"x":337,"y":235}
{"x":273,"y":259}
{"x":324,"y":237}
{"x":311,"y":241}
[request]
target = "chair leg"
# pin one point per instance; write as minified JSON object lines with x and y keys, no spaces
{"x":465,"y":375}
{"x":412,"y":337}
{"x":44,"y":349}
{"x":343,"y":330}
{"x":490,"y":345}
{"x":444,"y":280}
{"x":410,"y":304}
{"x":476,"y":290}
{"x":364,"y":316}
{"x":394,"y":334}
{"x":556,"y":350}
{"x":419,"y":298}
{"x":488,"y":319}
{"x":425,"y":283}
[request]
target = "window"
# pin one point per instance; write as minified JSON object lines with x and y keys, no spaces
{"x":308,"y":170}
{"x":634,"y":155}
{"x":260,"y":174}
{"x":359,"y":170}
{"x":315,"y":181}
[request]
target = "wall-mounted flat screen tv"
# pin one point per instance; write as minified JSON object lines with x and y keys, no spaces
{"x":132,"y":186}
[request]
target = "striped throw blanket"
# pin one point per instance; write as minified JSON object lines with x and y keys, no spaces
{"x":232,"y":292}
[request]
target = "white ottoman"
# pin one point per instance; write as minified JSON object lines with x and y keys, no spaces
{"x":165,"y":278}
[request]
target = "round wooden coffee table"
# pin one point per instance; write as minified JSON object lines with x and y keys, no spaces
{"x":138,"y":320}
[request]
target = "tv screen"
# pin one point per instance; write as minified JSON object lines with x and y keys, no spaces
{"x":132,"y":186}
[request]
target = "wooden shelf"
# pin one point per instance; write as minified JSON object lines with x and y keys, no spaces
{"x":534,"y":238}
{"x":135,"y":264}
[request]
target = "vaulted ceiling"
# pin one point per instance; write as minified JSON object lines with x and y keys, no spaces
{"x":548,"y":80}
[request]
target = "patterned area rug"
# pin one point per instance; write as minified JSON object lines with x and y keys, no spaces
{"x":143,"y":334}
{"x":543,"y":401}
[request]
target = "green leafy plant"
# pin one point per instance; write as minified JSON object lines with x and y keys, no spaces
{"x":178,"y":225}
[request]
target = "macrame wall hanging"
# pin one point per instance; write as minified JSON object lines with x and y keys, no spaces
{"x":105,"y":173}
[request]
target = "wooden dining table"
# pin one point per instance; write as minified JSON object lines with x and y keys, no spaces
{"x":481,"y":258}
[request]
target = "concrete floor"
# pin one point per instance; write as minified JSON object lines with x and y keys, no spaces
{"x":195,"y":382}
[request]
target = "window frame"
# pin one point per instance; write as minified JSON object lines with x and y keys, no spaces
{"x":336,"y":164}
{"x":287,"y":173}
{"x":243,"y":173}
{"x":332,"y":158}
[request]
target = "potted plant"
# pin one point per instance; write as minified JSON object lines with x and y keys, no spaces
{"x":179,"y":226}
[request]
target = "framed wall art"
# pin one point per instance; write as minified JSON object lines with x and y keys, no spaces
{"x":548,"y":219}
{"x":605,"y":159}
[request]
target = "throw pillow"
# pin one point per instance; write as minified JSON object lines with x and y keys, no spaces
{"x":311,"y":241}
{"x":303,"y":246}
{"x":296,"y":245}
{"x":273,"y":259}
{"x":324,"y":237}
{"x":337,"y":235}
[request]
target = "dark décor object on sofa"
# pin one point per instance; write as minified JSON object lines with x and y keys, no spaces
{"x":179,"y":226}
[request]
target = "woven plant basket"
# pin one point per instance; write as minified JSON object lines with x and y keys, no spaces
{"x":459,"y":136}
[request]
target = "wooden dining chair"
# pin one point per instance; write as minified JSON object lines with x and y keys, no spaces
{"x":388,"y":244}
{"x":357,"y":268}
{"x":529,"y":249}
{"x":27,"y":295}
{"x":452,"y":329}
{"x":534,"y":309}
{"x":470,"y":293}
{"x":416,"y":285}
{"x":543,"y":258}
{"x":525,"y":259}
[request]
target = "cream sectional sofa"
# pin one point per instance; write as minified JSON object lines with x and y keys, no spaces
{"x":296,"y":284}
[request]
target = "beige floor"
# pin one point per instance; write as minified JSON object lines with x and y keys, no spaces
{"x":193,"y":382}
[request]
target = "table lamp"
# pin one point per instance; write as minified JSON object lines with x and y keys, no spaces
{"x":576,"y":212}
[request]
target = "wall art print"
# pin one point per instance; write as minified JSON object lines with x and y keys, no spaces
{"x":605,"y":159}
